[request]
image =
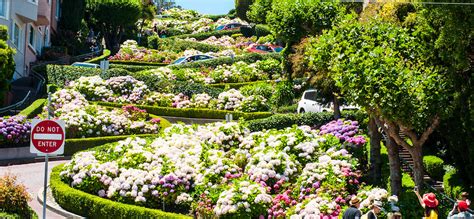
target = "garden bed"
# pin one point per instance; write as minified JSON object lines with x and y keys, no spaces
{"x":92,"y":206}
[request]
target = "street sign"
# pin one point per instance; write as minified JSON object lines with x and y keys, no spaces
{"x":47,"y":137}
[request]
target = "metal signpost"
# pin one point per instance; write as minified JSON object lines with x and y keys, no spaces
{"x":47,"y":138}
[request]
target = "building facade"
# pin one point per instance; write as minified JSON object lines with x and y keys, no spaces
{"x":29,"y":30}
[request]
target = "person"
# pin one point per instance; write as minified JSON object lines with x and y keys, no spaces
{"x":429,"y":203}
{"x":465,"y":197}
{"x":375,"y":209}
{"x":461,"y":207}
{"x":353,"y":211}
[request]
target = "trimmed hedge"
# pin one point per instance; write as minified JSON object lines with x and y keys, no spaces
{"x":132,"y":68}
{"x":61,"y":74}
{"x":92,"y":206}
{"x":280,"y":121}
{"x":194,"y":112}
{"x":236,"y":85}
{"x":34,"y":109}
{"x":7,"y":215}
{"x":262,"y":30}
{"x":248,"y":58}
{"x":205,"y":35}
{"x":434,"y":166}
{"x":105,"y":55}
{"x":179,"y":45}
{"x":139,"y":63}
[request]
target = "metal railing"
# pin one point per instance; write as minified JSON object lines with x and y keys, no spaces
{"x":16,"y":105}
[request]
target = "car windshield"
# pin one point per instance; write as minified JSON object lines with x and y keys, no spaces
{"x":278,"y":49}
{"x":220,"y":27}
{"x":179,"y":60}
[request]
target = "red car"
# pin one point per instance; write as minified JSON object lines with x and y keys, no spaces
{"x":231,"y":26}
{"x":261,"y":48}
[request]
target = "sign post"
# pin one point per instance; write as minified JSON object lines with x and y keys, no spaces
{"x":47,"y":137}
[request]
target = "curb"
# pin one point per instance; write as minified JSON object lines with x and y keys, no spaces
{"x":18,"y":161}
{"x":53,"y":206}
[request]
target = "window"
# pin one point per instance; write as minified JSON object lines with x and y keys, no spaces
{"x":16,"y":35}
{"x":3,"y":8}
{"x":33,"y":1}
{"x":46,"y":37}
{"x":311,"y":95}
{"x":31,"y":35}
{"x":58,"y":9}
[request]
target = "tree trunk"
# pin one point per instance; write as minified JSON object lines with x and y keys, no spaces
{"x":375,"y":160}
{"x":286,"y":62}
{"x":417,"y":155}
{"x":337,"y":110}
{"x":395,"y":170}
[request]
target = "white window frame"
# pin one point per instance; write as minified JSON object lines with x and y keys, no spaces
{"x":47,"y":36}
{"x":29,"y":28}
{"x":7,"y":11}
{"x":18,"y":44}
{"x":35,"y":2}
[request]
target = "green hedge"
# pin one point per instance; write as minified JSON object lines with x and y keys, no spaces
{"x":122,"y":62}
{"x":179,"y":45}
{"x":92,"y":206}
{"x":7,"y":215}
{"x":262,"y":30}
{"x":60,"y":74}
{"x":132,"y":68}
{"x":3,"y":33}
{"x":453,"y":183}
{"x":434,"y":166}
{"x":34,"y":109}
{"x":408,"y":202}
{"x":280,"y":121}
{"x":194,"y":112}
{"x":235,"y":85}
{"x":105,"y":55}
{"x":248,"y":58}
{"x":205,"y":35}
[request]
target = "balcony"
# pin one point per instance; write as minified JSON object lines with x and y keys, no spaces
{"x":27,"y":10}
{"x":44,"y":13}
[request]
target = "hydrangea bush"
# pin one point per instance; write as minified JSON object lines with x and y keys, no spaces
{"x":14,"y":130}
{"x":223,"y":170}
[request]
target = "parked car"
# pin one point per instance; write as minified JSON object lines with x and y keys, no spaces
{"x":309,"y":103}
{"x":192,"y":58}
{"x":231,"y":26}
{"x":261,"y":48}
{"x":85,"y":64}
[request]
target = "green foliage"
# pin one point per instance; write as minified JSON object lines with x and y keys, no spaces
{"x":258,"y":88}
{"x":258,"y":11}
{"x":205,"y":35}
{"x":60,"y":75}
{"x":408,"y":202}
{"x":241,"y":8}
{"x":7,"y":66}
{"x":131,"y":68}
{"x":287,"y":109}
{"x":247,"y":31}
{"x":434,"y":166}
{"x":189,"y":89}
{"x":72,"y":13}
{"x":32,"y":215}
{"x":195,"y":112}
{"x":283,"y":94}
{"x":234,"y":85}
{"x":280,"y":121}
{"x":3,"y":33}
{"x":92,"y":206}
{"x":114,"y":72}
{"x":262,"y":30}
{"x":139,"y":63}
{"x":248,"y":58}
{"x":105,"y":55}
{"x":453,"y":183}
{"x":34,"y":109}
{"x":178,"y":45}
{"x":13,"y":196}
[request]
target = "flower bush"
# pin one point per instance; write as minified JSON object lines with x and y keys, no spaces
{"x":345,"y":130}
{"x":130,"y":51}
{"x":223,"y":170}
{"x":14,"y":130}
{"x":229,"y":100}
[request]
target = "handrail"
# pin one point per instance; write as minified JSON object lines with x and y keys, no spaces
{"x":16,"y":105}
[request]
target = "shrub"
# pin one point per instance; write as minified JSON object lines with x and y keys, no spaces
{"x":434,"y":166}
{"x":409,"y":205}
{"x":141,"y":63}
{"x":3,"y":33}
{"x":205,"y":35}
{"x":178,"y":45}
{"x":262,"y":30}
{"x":453,"y":183}
{"x":235,"y":85}
{"x":105,"y":55}
{"x":247,"y":31}
{"x":7,"y":67}
{"x":114,"y":72}
{"x":261,"y":88}
{"x":287,"y":109}
{"x":283,"y":94}
{"x":194,"y":112}
{"x":92,"y":206}
{"x":248,"y":58}
{"x":13,"y":196}
{"x":34,"y":109}
{"x":60,"y":75}
{"x":189,"y":89}
{"x":132,"y":68}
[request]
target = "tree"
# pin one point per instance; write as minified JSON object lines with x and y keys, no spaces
{"x":291,"y":20}
{"x":112,"y":17}
{"x":391,"y":73}
{"x":258,"y":11}
{"x":147,"y":13}
{"x":242,"y":7}
{"x":72,"y":15}
{"x":7,"y":63}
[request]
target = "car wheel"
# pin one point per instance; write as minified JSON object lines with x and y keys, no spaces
{"x":301,"y":110}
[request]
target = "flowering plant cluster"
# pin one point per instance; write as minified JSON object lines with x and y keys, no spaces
{"x":187,"y":21}
{"x":223,"y":170}
{"x":345,"y":130}
{"x":86,"y":120}
{"x":14,"y":130}
{"x":130,"y":51}
{"x":182,"y":14}
{"x":227,"y":41}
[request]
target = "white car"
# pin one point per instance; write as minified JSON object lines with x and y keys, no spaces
{"x":85,"y":64}
{"x":308,"y":103}
{"x":193,"y":58}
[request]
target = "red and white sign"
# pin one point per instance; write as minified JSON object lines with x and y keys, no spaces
{"x":47,"y":137}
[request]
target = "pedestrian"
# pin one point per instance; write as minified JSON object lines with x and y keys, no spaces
{"x":375,"y":209}
{"x":465,"y":197}
{"x":353,"y":211}
{"x":429,"y":203}
{"x":460,"y":207}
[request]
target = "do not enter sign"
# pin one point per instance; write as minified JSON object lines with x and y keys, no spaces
{"x":47,"y":137}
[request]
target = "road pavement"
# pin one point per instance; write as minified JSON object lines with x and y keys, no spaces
{"x":32,"y":176}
